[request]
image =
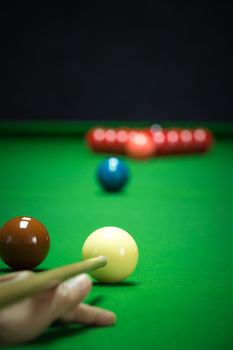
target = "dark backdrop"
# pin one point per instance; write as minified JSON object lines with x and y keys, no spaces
{"x":143,"y":60}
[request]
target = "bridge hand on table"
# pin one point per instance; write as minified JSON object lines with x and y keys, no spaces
{"x":26,"y":320}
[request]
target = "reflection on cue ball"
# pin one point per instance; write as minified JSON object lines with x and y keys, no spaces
{"x":120,"y":249}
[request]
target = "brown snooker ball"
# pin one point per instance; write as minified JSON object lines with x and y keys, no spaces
{"x":24,"y":243}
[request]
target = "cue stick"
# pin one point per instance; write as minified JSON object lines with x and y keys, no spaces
{"x":15,"y":291}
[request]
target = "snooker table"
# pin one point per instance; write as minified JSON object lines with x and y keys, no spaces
{"x":180,"y":211}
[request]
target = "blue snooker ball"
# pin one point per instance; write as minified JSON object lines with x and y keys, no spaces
{"x":113,"y":174}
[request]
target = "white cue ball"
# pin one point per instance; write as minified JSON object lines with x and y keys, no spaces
{"x":120,"y":249}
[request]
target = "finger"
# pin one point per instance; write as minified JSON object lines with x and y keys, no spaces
{"x":69,"y":294}
{"x":90,"y":315}
{"x":15,"y":276}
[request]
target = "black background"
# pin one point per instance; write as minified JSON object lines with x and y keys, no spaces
{"x":113,"y":60}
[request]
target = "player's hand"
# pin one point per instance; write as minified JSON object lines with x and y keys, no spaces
{"x":26,"y":320}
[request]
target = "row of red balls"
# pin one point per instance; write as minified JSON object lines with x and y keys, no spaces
{"x":145,"y":143}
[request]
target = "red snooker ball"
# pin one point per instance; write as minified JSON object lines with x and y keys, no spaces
{"x":110,"y":141}
{"x":95,"y":139}
{"x":159,"y":140}
{"x":140,"y":145}
{"x":202,"y":139}
{"x":24,"y":243}
{"x":121,"y":139}
{"x":172,"y":141}
{"x":186,"y":141}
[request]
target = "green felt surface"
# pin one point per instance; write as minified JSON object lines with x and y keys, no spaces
{"x":179,"y":209}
